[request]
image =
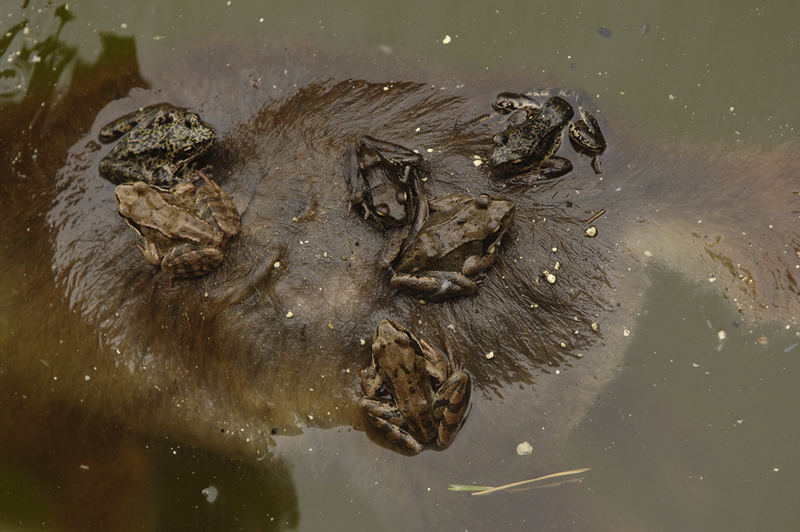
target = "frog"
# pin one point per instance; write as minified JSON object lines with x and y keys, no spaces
{"x":585,"y":134}
{"x":155,"y":145}
{"x":532,"y":143}
{"x":185,"y":228}
{"x":382,"y":180}
{"x":454,"y":239}
{"x":413,"y":392}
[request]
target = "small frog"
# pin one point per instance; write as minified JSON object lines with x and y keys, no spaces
{"x":185,"y":229}
{"x":456,"y":240}
{"x":427,"y":396}
{"x":155,"y":145}
{"x":382,"y":179}
{"x":585,"y":134}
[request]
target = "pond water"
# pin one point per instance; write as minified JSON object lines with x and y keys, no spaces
{"x":693,"y":420}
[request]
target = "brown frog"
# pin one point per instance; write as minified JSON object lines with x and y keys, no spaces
{"x":456,"y":240}
{"x":382,"y":180}
{"x":425,"y":397}
{"x":185,"y":229}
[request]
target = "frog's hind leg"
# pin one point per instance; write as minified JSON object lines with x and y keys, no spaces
{"x":190,"y":260}
{"x":389,"y":423}
{"x":452,"y":400}
{"x":216,"y":208}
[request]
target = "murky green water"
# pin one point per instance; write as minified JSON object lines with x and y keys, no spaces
{"x":694,"y":432}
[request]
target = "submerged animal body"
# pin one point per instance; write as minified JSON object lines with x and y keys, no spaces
{"x":226,"y":361}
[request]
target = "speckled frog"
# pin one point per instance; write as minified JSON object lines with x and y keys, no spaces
{"x":185,"y":229}
{"x":155,"y":145}
{"x":425,"y":397}
{"x":456,"y":241}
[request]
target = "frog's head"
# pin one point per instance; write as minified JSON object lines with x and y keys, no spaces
{"x":499,"y":214}
{"x":509,"y":156}
{"x":190,"y":136}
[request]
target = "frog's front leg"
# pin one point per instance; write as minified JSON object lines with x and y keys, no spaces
{"x":435,"y":285}
{"x":389,"y":422}
{"x":450,"y":405}
{"x":191,"y":260}
{"x":371,"y":380}
{"x":586,"y":137}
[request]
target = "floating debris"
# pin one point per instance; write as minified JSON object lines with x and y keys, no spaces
{"x":595,"y":327}
{"x":485,"y":490}
{"x":549,"y":276}
{"x":289,"y":314}
{"x":602,"y":31}
{"x":721,"y":335}
{"x":525,"y":448}
{"x":446,"y":39}
{"x":490,"y":355}
{"x":591,"y":231}
{"x":595,"y":216}
{"x":210,"y":493}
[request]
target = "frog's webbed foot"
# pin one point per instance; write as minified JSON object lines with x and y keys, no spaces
{"x":452,"y":400}
{"x":388,"y":421}
{"x":150,"y":252}
{"x":436,"y":285}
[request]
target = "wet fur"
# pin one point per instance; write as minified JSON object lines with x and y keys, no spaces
{"x":216,"y":362}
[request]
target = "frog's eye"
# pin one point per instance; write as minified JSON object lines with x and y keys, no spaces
{"x":482,"y":201}
{"x":517,"y":162}
{"x":190,"y":121}
{"x":403,"y":341}
{"x":401,"y":197}
{"x":382,"y":210}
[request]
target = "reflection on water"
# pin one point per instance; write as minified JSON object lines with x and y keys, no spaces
{"x":698,"y":431}
{"x":693,"y":432}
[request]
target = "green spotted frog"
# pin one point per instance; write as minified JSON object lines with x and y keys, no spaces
{"x":382,"y":180}
{"x":185,"y":229}
{"x":456,"y":240}
{"x":155,"y":145}
{"x":412,"y":392}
